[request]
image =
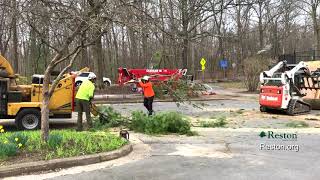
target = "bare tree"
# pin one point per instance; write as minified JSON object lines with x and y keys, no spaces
{"x":5,"y":30}
{"x":64,"y":48}
{"x":311,"y":7}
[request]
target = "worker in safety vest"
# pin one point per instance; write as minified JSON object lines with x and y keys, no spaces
{"x":83,"y":98}
{"x":147,"y":92}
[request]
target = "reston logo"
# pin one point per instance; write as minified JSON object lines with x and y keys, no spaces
{"x":282,"y":136}
{"x":262,"y":134}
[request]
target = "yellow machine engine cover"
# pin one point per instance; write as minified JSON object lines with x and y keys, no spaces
{"x":61,"y":99}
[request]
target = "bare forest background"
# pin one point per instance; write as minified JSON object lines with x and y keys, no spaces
{"x":107,"y":34}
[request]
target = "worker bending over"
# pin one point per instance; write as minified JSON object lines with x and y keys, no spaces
{"x":148,"y":93}
{"x":83,"y":99}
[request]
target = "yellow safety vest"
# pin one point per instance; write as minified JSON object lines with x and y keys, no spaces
{"x":86,"y":90}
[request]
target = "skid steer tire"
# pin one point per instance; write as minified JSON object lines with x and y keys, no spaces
{"x":28,"y":119}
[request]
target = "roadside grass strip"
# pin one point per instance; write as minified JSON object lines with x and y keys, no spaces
{"x":61,"y":144}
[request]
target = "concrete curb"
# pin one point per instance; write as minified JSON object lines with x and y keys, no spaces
{"x":24,"y":168}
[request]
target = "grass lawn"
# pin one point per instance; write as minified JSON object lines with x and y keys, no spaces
{"x":25,"y":146}
{"x":297,"y":124}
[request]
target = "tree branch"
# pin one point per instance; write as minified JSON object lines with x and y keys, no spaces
{"x":64,"y":70}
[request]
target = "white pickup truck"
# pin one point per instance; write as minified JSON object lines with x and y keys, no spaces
{"x":84,"y":76}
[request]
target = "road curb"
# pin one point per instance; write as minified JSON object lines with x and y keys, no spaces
{"x":24,"y":168}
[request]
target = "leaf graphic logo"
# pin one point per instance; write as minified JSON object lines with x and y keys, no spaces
{"x":262,"y":134}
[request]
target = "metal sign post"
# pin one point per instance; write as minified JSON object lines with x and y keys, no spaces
{"x":224,"y":64}
{"x":234,"y":72}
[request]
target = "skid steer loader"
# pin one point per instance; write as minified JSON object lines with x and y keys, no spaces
{"x":284,"y":86}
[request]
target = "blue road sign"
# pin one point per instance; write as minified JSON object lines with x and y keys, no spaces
{"x":223,"y":63}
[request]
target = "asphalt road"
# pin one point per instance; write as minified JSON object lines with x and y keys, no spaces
{"x":188,"y":109}
{"x":218,"y":154}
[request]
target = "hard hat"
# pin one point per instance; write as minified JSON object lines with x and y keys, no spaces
{"x":146,"y":78}
{"x":92,"y":76}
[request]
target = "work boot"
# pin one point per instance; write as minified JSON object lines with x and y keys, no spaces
{"x":87,"y":127}
{"x":151,"y":113}
{"x":79,"y":127}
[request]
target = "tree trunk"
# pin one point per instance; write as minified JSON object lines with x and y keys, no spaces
{"x":116,"y":49}
{"x":33,"y":65}
{"x":110,"y":66}
{"x":275,"y":39}
{"x":218,"y":27}
{"x":45,"y":105}
{"x":124,"y":58}
{"x":260,"y":25}
{"x":15,"y":37}
{"x":192,"y":48}
{"x":286,"y":45}
{"x":97,"y":48}
{"x":98,"y":60}
{"x":144,"y":58}
{"x":315,"y":28}
{"x":185,"y":53}
{"x":239,"y":40}
{"x":260,"y":33}
{"x":84,"y":53}
{"x":134,"y":57}
{"x":45,"y":117}
{"x":163,"y":39}
{"x":185,"y":24}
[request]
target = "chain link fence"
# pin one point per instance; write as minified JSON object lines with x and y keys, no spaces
{"x":298,"y":56}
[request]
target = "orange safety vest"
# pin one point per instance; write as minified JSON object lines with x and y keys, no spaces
{"x":147,"y":89}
